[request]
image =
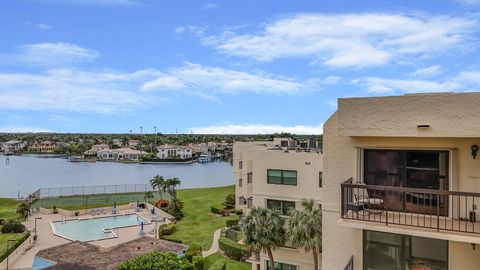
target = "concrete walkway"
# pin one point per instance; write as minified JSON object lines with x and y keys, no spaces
{"x":214,"y":248}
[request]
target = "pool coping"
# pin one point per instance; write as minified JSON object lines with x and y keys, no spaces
{"x":110,"y":230}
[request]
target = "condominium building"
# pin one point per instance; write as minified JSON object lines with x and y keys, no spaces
{"x":402,"y":183}
{"x":269,"y":175}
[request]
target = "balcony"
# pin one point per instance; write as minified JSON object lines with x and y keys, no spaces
{"x":412,"y":209}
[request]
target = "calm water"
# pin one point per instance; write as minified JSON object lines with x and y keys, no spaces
{"x":29,"y":173}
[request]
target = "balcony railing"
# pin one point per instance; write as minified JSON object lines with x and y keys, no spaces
{"x":440,"y":210}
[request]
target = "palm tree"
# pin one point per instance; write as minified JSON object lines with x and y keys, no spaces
{"x":263,"y":230}
{"x":158,"y":182}
{"x":305,"y":228}
{"x":24,"y":209}
{"x":171,"y":183}
{"x":148,"y":196}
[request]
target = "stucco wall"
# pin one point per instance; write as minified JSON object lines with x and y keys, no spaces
{"x":339,"y":243}
{"x":449,"y":115}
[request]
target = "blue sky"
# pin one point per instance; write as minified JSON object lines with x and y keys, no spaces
{"x":223,"y":66}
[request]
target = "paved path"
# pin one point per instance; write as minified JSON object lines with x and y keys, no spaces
{"x":214,"y":247}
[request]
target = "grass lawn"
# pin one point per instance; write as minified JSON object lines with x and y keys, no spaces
{"x":8,"y":212}
{"x":8,"y":209}
{"x":93,"y":201}
{"x":231,"y":264}
{"x":199,"y":223}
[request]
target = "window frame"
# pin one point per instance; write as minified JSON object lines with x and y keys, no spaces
{"x":282,"y":177}
{"x":283,"y":210}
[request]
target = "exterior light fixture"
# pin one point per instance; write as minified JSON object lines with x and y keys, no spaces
{"x":423,"y":126}
{"x":474,"y":150}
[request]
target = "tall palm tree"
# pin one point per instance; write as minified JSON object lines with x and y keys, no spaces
{"x":263,"y":230}
{"x":171,"y":183}
{"x":148,"y":196}
{"x":158,"y":182}
{"x":305,"y":228}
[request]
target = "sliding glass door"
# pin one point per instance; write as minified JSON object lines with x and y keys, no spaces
{"x":408,"y":168}
{"x":386,"y":251}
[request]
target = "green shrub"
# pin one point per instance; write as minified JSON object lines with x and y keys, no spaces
{"x":13,"y":227}
{"x":166,"y":229}
{"x":232,"y":234}
{"x":239,"y":212}
{"x":230,"y":201}
{"x":219,"y":265}
{"x":231,"y":223}
{"x":232,"y":249}
{"x":217,"y":208}
{"x":198,"y":262}
{"x":173,"y":240}
{"x":193,"y":250}
{"x":157,"y":260}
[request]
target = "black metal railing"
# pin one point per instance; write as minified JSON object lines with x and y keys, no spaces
{"x":349,"y":265}
{"x":441,"y":210}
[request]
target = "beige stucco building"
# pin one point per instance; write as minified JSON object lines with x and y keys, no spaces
{"x":402,"y":183}
{"x":269,"y":175}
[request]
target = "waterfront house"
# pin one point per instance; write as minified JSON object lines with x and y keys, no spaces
{"x":121,"y":154}
{"x":402,"y":183}
{"x":95,"y":148}
{"x":13,"y":146}
{"x":271,"y":176}
{"x":43,"y":147}
{"x":174,"y":152}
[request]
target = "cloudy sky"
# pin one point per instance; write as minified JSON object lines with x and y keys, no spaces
{"x":244,"y":66}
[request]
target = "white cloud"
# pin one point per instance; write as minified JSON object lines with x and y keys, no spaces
{"x":463,"y":82}
{"x":200,"y":79}
{"x":50,"y":54}
{"x":43,"y":26}
{"x":428,"y":71}
{"x":22,"y":129}
{"x":210,"y":6}
{"x":256,"y":129}
{"x":75,"y":91}
{"x":347,"y":40}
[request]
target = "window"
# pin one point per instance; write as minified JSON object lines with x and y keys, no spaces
{"x":280,"y":266}
{"x":242,"y":200}
{"x":399,"y":252}
{"x":320,"y":179}
{"x":249,"y":202}
{"x":282,"y":177}
{"x":240,"y":182}
{"x":283,"y":206}
{"x":249,"y":178}
{"x":240,"y":164}
{"x":284,"y":143}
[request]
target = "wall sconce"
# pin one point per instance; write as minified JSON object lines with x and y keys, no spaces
{"x":474,"y":150}
{"x":307,"y":162}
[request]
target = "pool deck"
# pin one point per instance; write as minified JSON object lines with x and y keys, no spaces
{"x":46,"y":239}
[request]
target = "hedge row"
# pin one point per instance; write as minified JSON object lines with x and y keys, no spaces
{"x":232,"y":249}
{"x":219,"y":265}
{"x":14,"y":246}
{"x":231,"y":223}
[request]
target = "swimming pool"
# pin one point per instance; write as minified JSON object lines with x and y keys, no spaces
{"x":41,"y":263}
{"x":95,"y":228}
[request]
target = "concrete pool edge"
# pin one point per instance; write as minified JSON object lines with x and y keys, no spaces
{"x":54,"y":230}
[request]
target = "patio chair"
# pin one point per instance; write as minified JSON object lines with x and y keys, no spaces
{"x":370,"y":204}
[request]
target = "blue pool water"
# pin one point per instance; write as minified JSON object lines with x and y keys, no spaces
{"x":93,"y":229}
{"x":41,"y":263}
